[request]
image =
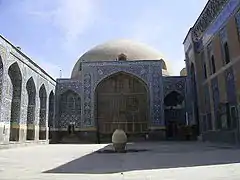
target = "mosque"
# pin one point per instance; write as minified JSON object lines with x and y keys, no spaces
{"x":128,"y":85}
{"x":118,"y":84}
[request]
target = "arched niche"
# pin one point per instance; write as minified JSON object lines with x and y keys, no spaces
{"x":51,"y":113}
{"x":173,"y":99}
{"x":31,"y":91}
{"x":174,"y":114}
{"x":69,"y":108}
{"x":42,"y":112}
{"x":121,"y":101}
{"x":15,"y":75}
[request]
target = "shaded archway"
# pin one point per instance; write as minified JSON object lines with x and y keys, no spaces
{"x":42,"y":113}
{"x":31,"y":90}
{"x":50,"y":113}
{"x":194,"y":96}
{"x":173,"y":99}
{"x":174,"y":114}
{"x":121,"y":102}
{"x":16,"y":80}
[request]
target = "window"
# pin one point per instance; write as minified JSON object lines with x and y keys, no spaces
{"x":210,"y":58}
{"x":205,"y":70}
{"x":226,"y":53}
{"x":213,"y":64}
{"x":80,"y":66}
{"x":204,"y":65}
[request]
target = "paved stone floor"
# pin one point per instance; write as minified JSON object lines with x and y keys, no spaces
{"x":164,"y":160}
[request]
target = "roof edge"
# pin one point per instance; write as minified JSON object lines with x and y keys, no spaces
{"x":28,"y":58}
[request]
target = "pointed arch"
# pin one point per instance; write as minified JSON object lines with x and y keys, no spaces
{"x":50,"y":113}
{"x":133,"y":74}
{"x":122,"y":101}
{"x":15,"y":75}
{"x":31,"y":91}
{"x":42,"y":113}
{"x":173,"y":98}
{"x":174,"y":113}
{"x":69,"y":111}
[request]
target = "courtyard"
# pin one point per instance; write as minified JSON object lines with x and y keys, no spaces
{"x":160,"y":160}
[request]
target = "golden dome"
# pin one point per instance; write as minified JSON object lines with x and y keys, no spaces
{"x":111,"y":51}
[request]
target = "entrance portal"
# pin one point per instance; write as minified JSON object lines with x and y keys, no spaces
{"x":122,"y":102}
{"x":174,"y":114}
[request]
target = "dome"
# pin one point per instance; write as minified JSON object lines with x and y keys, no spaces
{"x":111,"y":50}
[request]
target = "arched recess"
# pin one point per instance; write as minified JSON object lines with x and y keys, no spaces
{"x":15,"y":75}
{"x":174,"y":113}
{"x":194,"y":95}
{"x":70,"y":110}
{"x":173,"y":99}
{"x":50,"y":113}
{"x":42,"y":113}
{"x":133,"y":74}
{"x":121,"y":101}
{"x":31,"y":91}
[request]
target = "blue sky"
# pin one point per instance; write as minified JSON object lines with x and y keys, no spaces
{"x":55,"y":33}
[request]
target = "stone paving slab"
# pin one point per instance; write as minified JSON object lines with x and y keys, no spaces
{"x":167,"y":160}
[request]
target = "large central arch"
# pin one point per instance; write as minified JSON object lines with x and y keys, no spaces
{"x":121,"y":101}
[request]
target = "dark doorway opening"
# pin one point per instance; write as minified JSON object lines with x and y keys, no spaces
{"x":174,"y":115}
{"x":16,"y":80}
{"x":71,"y":129}
{"x":172,"y":129}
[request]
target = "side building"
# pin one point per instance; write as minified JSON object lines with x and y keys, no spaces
{"x":26,"y":97}
{"x":212,"y":52}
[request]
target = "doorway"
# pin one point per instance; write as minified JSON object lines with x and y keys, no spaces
{"x":71,"y":129}
{"x":121,"y":102}
{"x":174,"y":115}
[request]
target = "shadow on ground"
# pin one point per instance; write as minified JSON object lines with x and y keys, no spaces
{"x":152,"y":157}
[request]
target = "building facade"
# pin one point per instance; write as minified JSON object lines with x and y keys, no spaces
{"x":26,"y":97}
{"x":212,"y":51}
{"x":119,"y":84}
